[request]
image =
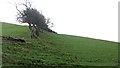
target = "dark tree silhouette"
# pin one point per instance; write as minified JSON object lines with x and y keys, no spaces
{"x":36,"y":20}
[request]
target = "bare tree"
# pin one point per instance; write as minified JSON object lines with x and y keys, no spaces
{"x":36,"y":20}
{"x":31,"y":16}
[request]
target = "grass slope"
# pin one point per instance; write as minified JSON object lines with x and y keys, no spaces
{"x":56,"y":49}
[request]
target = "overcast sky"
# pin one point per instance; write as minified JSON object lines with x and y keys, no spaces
{"x":89,"y":18}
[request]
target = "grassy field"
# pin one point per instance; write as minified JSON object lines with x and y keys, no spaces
{"x":56,"y":49}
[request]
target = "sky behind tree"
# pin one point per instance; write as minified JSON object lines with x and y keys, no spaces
{"x":89,"y":18}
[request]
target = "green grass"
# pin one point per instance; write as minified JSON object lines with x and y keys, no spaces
{"x":56,"y":49}
{"x":0,"y":45}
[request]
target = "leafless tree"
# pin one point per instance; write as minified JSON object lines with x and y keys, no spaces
{"x":31,"y":16}
{"x":36,"y":20}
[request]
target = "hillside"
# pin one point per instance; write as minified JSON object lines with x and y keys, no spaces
{"x":56,"y":49}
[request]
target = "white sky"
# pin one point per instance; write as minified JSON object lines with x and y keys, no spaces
{"x":89,"y":18}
